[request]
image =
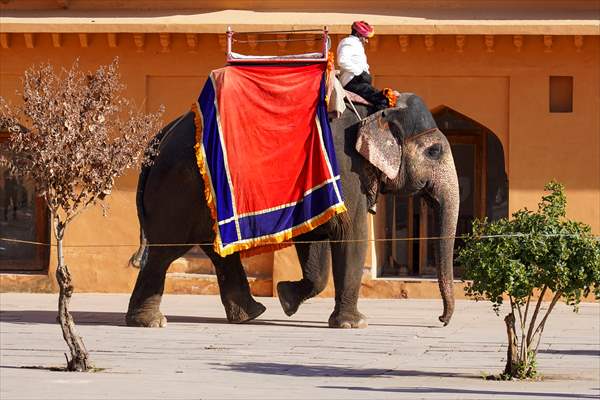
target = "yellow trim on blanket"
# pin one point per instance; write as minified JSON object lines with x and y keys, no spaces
{"x":273,"y":242}
{"x":210,"y":201}
{"x":255,"y":246}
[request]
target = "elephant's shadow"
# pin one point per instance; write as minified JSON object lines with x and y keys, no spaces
{"x":118,"y":319}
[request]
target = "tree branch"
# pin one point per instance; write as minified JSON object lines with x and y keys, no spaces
{"x":540,"y":327}
{"x":535,"y":314}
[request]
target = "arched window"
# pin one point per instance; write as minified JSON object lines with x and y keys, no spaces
{"x":23,"y":216}
{"x":479,"y":159}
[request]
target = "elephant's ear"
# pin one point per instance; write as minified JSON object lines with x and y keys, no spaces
{"x":378,"y":145}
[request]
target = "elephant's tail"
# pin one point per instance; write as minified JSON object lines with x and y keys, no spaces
{"x":138,"y":259}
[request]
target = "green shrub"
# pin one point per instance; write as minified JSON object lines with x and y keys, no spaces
{"x":526,"y":257}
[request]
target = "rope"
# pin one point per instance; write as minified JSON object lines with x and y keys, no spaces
{"x":295,"y":241}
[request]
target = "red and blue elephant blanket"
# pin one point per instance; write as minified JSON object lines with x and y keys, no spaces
{"x":265,"y":151}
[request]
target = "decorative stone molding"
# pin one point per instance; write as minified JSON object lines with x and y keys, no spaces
{"x":404,"y":41}
{"x":56,"y":40}
{"x":83,"y":40}
{"x":548,"y":42}
{"x":309,"y":41}
{"x":578,"y":42}
{"x":29,"y":40}
{"x":4,"y":40}
{"x":429,"y":42}
{"x":139,"y":40}
{"x":165,"y":42}
{"x":460,"y":43}
{"x":111,"y":38}
{"x":282,"y":41}
{"x":518,"y":42}
{"x":489,"y":42}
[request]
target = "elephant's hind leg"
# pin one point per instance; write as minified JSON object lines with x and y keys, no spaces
{"x":239,"y":304}
{"x":144,"y":304}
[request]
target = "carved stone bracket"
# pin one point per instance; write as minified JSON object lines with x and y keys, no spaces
{"x":404,"y":41}
{"x":311,"y":41}
{"x":489,"y":42}
{"x":192,"y":42}
{"x":111,"y":38}
{"x":518,"y":42}
{"x":165,"y":42}
{"x":578,"y":42}
{"x":253,"y":41}
{"x":373,"y":45}
{"x":56,"y":40}
{"x":429,"y":42}
{"x":83,"y":40}
{"x":548,"y":42}
{"x":460,"y":43}
{"x":222,"y":41}
{"x":4,"y":40}
{"x":29,"y":40}
{"x":282,"y":41}
{"x":139,"y":40}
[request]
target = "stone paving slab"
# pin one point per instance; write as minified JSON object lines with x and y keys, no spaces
{"x":403,"y":354}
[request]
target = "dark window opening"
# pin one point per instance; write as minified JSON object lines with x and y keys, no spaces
{"x":561,"y":94}
{"x":23,"y":216}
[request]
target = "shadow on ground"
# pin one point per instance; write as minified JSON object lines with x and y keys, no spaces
{"x":331,"y":371}
{"x":118,"y":319}
{"x":472,"y":392}
{"x":572,"y":352}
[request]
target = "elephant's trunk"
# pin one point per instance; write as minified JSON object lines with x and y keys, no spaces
{"x":446,"y":196}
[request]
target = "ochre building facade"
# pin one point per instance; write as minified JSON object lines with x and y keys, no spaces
{"x":515,"y":85}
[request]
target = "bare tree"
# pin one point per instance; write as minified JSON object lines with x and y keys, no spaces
{"x":80,"y":134}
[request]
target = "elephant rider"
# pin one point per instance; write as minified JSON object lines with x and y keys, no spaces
{"x":355,"y":76}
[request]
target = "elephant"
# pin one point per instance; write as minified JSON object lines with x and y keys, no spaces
{"x":402,"y":152}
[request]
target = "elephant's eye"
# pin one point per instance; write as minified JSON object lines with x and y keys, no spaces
{"x":434,"y":151}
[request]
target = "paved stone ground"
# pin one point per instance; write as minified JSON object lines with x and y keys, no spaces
{"x":403,"y":354}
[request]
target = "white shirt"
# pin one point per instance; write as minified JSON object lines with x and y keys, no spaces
{"x":351,"y":58}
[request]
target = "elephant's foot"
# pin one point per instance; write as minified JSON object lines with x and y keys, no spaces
{"x":347,"y":320}
{"x":288,"y":297}
{"x":145,"y":313}
{"x":148,"y":319}
{"x":238,"y":314}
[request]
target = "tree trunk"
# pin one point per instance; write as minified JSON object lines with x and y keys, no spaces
{"x":512,"y":352}
{"x":79,"y":356}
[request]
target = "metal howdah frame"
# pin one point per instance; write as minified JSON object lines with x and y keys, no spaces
{"x":235,"y":58}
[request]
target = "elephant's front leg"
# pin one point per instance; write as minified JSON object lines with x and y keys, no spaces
{"x":348,"y":259}
{"x":315,"y":273}
{"x":236,"y":297}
